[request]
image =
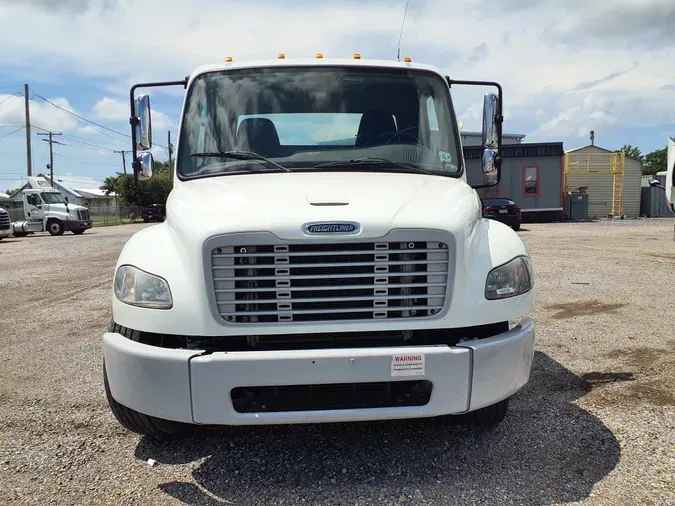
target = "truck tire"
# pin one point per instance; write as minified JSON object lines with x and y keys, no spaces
{"x":20,"y":234}
{"x":78,"y":232}
{"x":138,"y":422}
{"x":55,"y":227}
{"x":489,"y":414}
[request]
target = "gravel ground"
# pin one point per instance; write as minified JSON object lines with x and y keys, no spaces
{"x":596,"y":424}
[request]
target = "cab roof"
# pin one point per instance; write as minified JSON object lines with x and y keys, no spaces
{"x":312,"y":62}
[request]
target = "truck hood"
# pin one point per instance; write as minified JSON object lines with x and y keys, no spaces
{"x":284,"y":203}
{"x":61,"y":208}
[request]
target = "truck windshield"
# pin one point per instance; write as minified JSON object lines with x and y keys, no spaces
{"x":302,"y":118}
{"x":53,"y":198}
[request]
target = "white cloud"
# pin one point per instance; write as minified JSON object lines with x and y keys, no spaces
{"x":539,"y":50}
{"x":116,"y":110}
{"x":42,"y":115}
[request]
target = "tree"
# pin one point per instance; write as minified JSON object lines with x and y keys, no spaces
{"x":110,"y":184}
{"x":633,"y":152}
{"x":162,"y":167}
{"x":656,"y":161}
{"x":13,"y":190}
{"x":128,"y":194}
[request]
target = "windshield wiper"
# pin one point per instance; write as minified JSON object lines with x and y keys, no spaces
{"x":371,"y":161}
{"x":242,"y":155}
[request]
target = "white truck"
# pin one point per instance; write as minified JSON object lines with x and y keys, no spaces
{"x":669,"y":185}
{"x":323,"y":258}
{"x":46,"y":210}
{"x":5,"y":224}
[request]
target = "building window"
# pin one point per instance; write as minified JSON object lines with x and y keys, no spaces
{"x":531,"y":181}
{"x":491,"y":191}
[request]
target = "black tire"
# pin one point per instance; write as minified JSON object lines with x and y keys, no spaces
{"x":78,"y":232}
{"x":55,"y":227}
{"x":516,"y":227}
{"x":145,"y":220}
{"x":488,"y":415}
{"x":138,"y":422}
{"x":20,"y":234}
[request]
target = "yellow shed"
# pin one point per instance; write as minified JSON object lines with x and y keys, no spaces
{"x":612,"y":180}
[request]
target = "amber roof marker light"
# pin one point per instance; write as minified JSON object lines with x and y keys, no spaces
{"x":357,"y":56}
{"x":228,"y":59}
{"x":281,"y":56}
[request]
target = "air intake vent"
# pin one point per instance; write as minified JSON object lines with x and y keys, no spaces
{"x":328,"y":281}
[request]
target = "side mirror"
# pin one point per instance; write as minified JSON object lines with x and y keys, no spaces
{"x":655,"y":183}
{"x":144,"y":127}
{"x":489,"y":157}
{"x":490,"y":121}
{"x":146,"y":163}
{"x":67,"y":201}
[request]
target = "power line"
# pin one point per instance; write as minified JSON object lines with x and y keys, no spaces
{"x":70,"y":113}
{"x":51,"y":153}
{"x":13,"y":132}
{"x":84,"y":162}
{"x":124,"y":161}
{"x":77,"y":116}
{"x":77,"y":141}
{"x":80,"y":139}
{"x":17,"y":94}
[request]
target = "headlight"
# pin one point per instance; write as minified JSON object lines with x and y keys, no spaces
{"x":138,"y":288}
{"x":509,"y":280}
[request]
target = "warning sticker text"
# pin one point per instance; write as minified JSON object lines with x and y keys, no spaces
{"x":407,"y":365}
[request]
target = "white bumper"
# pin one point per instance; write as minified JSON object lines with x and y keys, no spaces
{"x":188,"y":386}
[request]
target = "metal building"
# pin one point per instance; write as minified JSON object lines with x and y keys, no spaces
{"x":654,"y":203}
{"x":611,"y":179}
{"x":532,"y":176}
{"x":476,"y":138}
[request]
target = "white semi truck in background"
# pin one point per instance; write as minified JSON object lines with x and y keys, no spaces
{"x":323,"y":258}
{"x":669,"y":185}
{"x":5,"y":224}
{"x":46,"y":210}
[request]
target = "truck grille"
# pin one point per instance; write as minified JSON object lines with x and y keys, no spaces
{"x":312,"y":282}
{"x":4,"y":220}
{"x":83,"y":214}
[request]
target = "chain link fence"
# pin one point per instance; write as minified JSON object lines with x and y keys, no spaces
{"x":100,"y":216}
{"x":122,"y":215}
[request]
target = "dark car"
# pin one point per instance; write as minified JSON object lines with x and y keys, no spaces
{"x":504,"y":210}
{"x":153,"y":212}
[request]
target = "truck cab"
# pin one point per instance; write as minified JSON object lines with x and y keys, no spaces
{"x":46,"y":210}
{"x":5,"y":224}
{"x":323,"y":258}
{"x":669,"y":185}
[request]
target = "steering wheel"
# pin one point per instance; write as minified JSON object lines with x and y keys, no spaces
{"x":389,"y":136}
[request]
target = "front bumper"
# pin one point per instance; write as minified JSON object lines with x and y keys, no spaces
{"x":71,"y":225}
{"x":192,"y":387}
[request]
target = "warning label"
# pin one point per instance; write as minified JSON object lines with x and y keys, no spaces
{"x":407,"y":365}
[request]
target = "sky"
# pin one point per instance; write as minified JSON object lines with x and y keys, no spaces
{"x":566,"y":67}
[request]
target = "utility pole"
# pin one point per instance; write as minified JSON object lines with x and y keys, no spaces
{"x":29,"y":161}
{"x":170,"y":153}
{"x":51,"y":154}
{"x":124,"y":162}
